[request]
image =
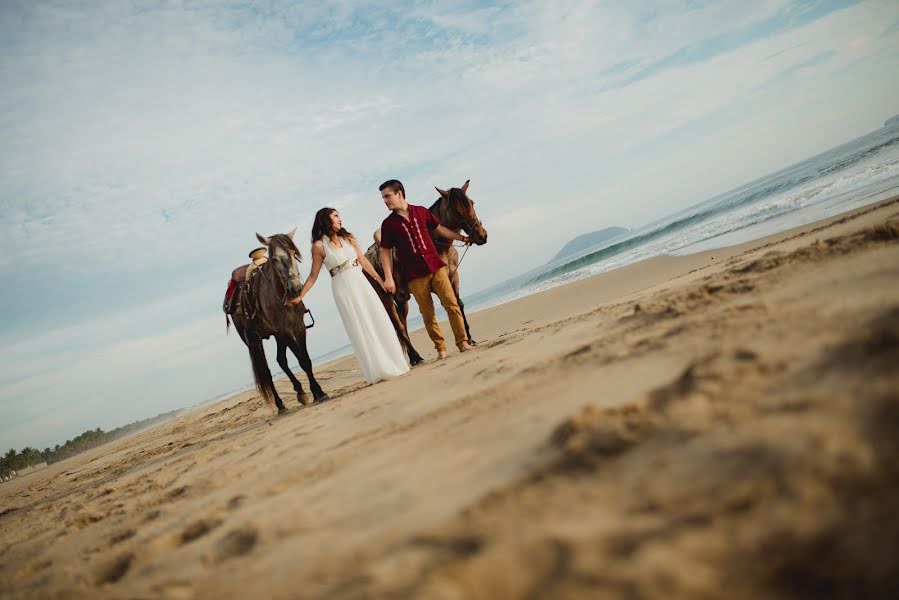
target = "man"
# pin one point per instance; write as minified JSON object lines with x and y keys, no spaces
{"x":407,"y":229}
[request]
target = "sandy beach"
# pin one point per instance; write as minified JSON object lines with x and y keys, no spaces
{"x":727,"y":420}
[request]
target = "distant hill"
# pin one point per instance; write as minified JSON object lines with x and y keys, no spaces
{"x":891,"y":121}
{"x":582,"y":242}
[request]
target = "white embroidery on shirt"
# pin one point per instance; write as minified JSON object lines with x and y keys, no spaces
{"x":421,"y":239}
{"x":411,"y":241}
{"x":416,"y":248}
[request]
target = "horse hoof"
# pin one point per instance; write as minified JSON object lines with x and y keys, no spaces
{"x":322,"y":397}
{"x":416,"y":361}
{"x":304,"y":400}
{"x":282,"y":410}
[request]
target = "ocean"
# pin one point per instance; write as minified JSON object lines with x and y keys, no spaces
{"x":860,"y":172}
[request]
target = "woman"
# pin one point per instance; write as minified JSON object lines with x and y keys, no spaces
{"x":377,"y":350}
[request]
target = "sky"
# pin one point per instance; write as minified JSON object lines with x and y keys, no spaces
{"x":143,"y":144}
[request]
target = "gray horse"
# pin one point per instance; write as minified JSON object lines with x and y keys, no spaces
{"x":266,"y":312}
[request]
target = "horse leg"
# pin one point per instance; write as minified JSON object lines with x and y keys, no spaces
{"x":454,"y":281}
{"x":262,"y":375}
{"x":414,"y":357}
{"x":282,"y":362}
{"x":402,"y":312}
{"x":465,"y":320}
{"x":298,"y":347}
{"x":399,"y":327}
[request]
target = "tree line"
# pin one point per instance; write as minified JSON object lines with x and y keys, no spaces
{"x":28,"y":457}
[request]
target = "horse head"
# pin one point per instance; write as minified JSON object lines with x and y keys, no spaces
{"x":283,"y":255}
{"x":459,"y":213}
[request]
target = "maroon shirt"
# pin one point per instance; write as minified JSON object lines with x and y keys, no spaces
{"x":415,"y":249}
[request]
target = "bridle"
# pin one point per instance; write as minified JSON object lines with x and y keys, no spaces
{"x":295,"y":257}
{"x":468,"y":222}
{"x":471,"y":224}
{"x":262,"y":273}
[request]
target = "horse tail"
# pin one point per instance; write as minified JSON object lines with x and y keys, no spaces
{"x":227,"y":325}
{"x":261,"y":374}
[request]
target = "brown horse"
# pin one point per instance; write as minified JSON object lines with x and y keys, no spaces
{"x":455,"y":211}
{"x":266,"y":312}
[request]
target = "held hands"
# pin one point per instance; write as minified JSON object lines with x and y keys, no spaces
{"x":388,"y":285}
{"x":296,"y":300}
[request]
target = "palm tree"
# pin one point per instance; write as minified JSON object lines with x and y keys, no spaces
{"x":29,"y":456}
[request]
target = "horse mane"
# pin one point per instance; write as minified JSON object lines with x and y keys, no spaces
{"x":457,"y":196}
{"x":283,"y":241}
{"x":456,"y":200}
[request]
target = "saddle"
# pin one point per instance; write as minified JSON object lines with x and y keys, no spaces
{"x":237,"y":296}
{"x":241,"y":296}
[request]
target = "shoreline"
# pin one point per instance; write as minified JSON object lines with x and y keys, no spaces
{"x":675,"y":427}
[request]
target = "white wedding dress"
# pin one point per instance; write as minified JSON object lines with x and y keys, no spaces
{"x":366,"y":322}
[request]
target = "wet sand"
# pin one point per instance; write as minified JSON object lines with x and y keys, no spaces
{"x":725,"y":423}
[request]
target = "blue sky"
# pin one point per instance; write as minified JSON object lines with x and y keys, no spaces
{"x":144,"y":144}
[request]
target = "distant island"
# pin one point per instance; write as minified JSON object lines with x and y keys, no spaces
{"x":894,"y":120}
{"x":582,"y":242}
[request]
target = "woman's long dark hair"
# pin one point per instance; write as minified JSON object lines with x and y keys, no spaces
{"x":321,"y":226}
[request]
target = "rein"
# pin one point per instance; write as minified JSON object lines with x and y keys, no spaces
{"x":459,"y":264}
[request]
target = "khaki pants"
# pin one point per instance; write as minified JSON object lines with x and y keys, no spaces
{"x":438,"y":283}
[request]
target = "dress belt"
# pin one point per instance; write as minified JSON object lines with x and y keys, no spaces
{"x":344,"y":266}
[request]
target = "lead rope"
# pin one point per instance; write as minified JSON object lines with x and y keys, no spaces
{"x":459,"y":264}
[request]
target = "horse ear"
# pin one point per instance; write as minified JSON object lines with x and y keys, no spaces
{"x":443,"y":193}
{"x":264,"y":240}
{"x":465,"y":187}
{"x":290,"y":235}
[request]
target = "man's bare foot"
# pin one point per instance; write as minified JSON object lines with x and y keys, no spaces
{"x":441,"y":354}
{"x":464,"y":347}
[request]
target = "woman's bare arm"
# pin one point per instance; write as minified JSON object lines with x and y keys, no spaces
{"x":318,"y":257}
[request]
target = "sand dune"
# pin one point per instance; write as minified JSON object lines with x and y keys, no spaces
{"x":686,"y":427}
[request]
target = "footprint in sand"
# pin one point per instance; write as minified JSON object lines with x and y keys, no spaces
{"x":122,"y":536}
{"x":198,"y":529}
{"x":115,"y":570}
{"x":236,"y":542}
{"x":236,"y":502}
{"x":179,"y":491}
{"x":153,"y":514}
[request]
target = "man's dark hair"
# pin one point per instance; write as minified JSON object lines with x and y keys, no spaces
{"x":394,"y":185}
